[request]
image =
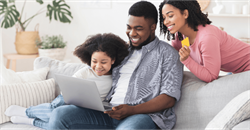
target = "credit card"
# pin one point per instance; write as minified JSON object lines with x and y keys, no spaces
{"x":185,"y":42}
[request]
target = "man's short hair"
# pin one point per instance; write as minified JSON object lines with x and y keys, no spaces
{"x":145,"y":9}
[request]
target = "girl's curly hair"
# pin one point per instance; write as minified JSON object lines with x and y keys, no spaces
{"x":111,"y":44}
{"x":195,"y":18}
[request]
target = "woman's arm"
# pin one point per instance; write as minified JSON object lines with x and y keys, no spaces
{"x":209,"y":48}
{"x":176,"y":43}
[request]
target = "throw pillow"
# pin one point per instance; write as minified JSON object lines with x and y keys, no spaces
{"x":10,"y":77}
{"x":25,"y":95}
{"x":237,"y":110}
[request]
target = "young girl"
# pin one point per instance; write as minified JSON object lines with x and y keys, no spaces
{"x":102,"y":53}
{"x":210,"y":50}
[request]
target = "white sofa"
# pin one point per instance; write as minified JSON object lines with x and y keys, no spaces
{"x":199,"y":104}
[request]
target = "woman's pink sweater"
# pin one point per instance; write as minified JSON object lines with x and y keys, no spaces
{"x":214,"y":50}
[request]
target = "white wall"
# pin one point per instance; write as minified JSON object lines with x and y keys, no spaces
{"x":235,"y":26}
{"x":108,"y":16}
{"x":1,"y":56}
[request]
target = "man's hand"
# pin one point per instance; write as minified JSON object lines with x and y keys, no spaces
{"x":184,"y":53}
{"x":120,"y":112}
{"x":156,"y":104}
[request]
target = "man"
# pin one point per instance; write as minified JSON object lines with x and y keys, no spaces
{"x":147,"y":84}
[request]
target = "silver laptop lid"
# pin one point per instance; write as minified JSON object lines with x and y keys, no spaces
{"x":80,"y":92}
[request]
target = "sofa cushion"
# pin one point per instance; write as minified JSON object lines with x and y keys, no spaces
{"x":10,"y":77}
{"x":57,"y":67}
{"x":25,"y":95}
{"x":201,"y":101}
{"x":11,"y":126}
{"x":237,"y":110}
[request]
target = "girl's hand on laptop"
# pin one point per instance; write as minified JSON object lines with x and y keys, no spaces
{"x":120,"y":112}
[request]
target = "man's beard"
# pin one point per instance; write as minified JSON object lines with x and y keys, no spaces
{"x":141,"y":45}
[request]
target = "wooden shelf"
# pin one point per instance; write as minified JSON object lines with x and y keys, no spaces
{"x":229,"y":15}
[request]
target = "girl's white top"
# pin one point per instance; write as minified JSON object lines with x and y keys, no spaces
{"x":103,"y":82}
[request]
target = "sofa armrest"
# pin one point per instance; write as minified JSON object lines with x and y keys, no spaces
{"x":201,"y":101}
{"x":57,"y":67}
{"x":236,"y":111}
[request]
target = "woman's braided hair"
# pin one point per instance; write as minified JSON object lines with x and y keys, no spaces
{"x":195,"y":18}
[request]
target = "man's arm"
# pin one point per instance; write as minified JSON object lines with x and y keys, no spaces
{"x":156,"y":104}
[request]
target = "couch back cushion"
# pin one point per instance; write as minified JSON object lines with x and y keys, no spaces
{"x":201,"y":101}
{"x":10,"y":76}
{"x":57,"y":67}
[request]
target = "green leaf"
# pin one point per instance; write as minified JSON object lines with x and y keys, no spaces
{"x":11,"y":1}
{"x":3,"y":4}
{"x":10,"y":14}
{"x":60,"y":10}
{"x":39,"y":1}
{"x":55,"y":15}
{"x":49,"y":13}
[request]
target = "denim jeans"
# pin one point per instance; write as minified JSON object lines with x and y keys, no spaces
{"x":51,"y":116}
{"x":42,"y":112}
{"x":73,"y":117}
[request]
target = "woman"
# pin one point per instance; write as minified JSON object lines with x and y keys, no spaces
{"x":210,"y":50}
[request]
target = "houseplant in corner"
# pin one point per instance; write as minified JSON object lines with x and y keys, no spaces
{"x":52,"y":46}
{"x":25,"y":40}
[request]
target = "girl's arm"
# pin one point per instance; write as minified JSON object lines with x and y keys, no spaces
{"x":82,"y":73}
{"x":209,"y":48}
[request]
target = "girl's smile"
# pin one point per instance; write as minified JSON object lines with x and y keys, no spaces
{"x":101,"y":63}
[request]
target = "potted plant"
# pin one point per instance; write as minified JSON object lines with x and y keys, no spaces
{"x":25,"y":40}
{"x":52,"y":46}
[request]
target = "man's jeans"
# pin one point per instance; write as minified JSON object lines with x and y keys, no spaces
{"x":44,"y":115}
{"x":73,"y":117}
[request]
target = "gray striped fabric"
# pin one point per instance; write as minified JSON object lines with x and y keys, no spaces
{"x":25,"y":95}
{"x":158,"y":72}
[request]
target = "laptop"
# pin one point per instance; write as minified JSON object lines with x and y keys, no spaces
{"x":82,"y":93}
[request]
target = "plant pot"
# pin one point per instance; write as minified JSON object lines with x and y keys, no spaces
{"x":25,"y":42}
{"x":55,"y":53}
